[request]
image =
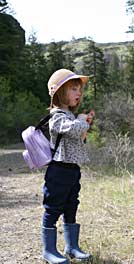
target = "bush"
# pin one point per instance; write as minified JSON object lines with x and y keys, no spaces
{"x":123,"y":153}
{"x":26,"y":110}
{"x":117,"y":115}
{"x":17,"y":111}
{"x":5,"y":106}
{"x":94,"y":136}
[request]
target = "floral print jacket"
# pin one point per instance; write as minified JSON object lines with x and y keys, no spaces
{"x":71,"y":148}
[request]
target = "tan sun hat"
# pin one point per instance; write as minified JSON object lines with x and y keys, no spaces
{"x":60,"y":77}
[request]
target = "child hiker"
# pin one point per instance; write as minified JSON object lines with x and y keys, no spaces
{"x":62,"y":179}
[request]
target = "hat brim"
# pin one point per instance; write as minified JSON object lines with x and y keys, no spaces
{"x":83,"y":78}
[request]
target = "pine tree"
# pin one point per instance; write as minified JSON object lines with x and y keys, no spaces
{"x":55,"y":57}
{"x":3,"y":6}
{"x":129,"y":72}
{"x":31,"y":71}
{"x":114,"y":73}
{"x":94,"y":65}
{"x":130,"y":11}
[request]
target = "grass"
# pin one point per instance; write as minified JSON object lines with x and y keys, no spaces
{"x":106,"y":214}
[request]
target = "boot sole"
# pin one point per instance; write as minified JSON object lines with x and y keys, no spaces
{"x":49,"y":262}
{"x":71,"y":257}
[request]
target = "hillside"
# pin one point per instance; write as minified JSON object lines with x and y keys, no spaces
{"x":77,"y":48}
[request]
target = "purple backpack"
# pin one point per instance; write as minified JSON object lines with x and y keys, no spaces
{"x":38,"y":152}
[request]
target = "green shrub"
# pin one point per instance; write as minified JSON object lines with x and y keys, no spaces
{"x":94,"y":136}
{"x":17,"y":111}
{"x":26,"y":110}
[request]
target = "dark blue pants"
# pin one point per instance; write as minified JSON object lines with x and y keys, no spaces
{"x":61,"y":191}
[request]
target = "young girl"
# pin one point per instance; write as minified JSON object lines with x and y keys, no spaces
{"x":62,"y":179}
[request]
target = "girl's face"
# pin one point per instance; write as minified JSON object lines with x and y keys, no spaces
{"x":74,"y":94}
{"x":69,"y":95}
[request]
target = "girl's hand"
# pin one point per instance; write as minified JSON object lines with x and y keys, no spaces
{"x":87,"y":117}
{"x":90,"y":116}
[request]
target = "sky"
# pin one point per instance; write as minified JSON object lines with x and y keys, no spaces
{"x":55,"y":20}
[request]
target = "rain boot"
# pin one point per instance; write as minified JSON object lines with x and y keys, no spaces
{"x":72,"y":250}
{"x":50,"y":253}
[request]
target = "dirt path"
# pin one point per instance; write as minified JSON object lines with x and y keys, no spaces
{"x":20,"y":210}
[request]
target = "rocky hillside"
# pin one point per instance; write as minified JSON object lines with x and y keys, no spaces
{"x":78,"y":49}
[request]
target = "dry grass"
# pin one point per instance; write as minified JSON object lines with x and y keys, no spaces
{"x":106,"y":214}
{"x":107,"y":207}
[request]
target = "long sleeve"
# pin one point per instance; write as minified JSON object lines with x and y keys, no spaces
{"x":71,"y":148}
{"x":61,"y":123}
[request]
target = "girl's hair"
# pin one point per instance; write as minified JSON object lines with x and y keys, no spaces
{"x":60,"y":96}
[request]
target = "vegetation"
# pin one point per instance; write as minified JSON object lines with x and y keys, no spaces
{"x":26,"y":68}
{"x":106,"y":207}
{"x":3,"y":6}
{"x":130,"y":10}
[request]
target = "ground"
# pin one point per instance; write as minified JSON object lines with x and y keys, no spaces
{"x":21,"y":215}
{"x":20,"y":210}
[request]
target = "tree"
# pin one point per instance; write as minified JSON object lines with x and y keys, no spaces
{"x":114,"y":73}
{"x":32,"y":37}
{"x":17,"y":111}
{"x":55,"y":57}
{"x":95,"y":67}
{"x":12,"y":40}
{"x":129,"y":71}
{"x":68,"y":61}
{"x":31,"y":72}
{"x":130,"y":11}
{"x":3,"y":6}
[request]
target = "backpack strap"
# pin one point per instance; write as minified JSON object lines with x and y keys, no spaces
{"x":56,"y":144}
{"x":43,"y":121}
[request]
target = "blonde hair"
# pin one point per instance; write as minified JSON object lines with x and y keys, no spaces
{"x":60,"y":97}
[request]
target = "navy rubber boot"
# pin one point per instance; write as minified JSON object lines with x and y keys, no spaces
{"x":50,"y":253}
{"x":72,"y":250}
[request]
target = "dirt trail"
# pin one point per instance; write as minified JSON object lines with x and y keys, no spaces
{"x":20,"y":210}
